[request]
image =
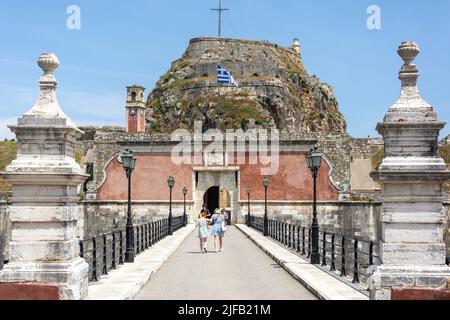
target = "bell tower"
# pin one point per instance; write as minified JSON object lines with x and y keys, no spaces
{"x":296,"y":45}
{"x":135,"y":109}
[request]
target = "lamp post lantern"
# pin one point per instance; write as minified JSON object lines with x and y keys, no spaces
{"x":129,"y":163}
{"x":171,"y":184}
{"x":266,"y":220}
{"x":185,"y":191}
{"x":249,"y":191}
{"x":314,"y":160}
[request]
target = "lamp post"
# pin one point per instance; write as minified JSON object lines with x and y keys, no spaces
{"x":129,"y":163}
{"x":249,"y":191}
{"x":266,"y":220}
{"x":314,"y":160}
{"x":185,"y":191}
{"x":171,"y":183}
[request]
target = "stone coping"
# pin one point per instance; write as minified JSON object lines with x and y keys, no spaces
{"x":241,"y":202}
{"x":125,"y":282}
{"x":137,"y":201}
{"x":320,"y":283}
{"x":310,"y":202}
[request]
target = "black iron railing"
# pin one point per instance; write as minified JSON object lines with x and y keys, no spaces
{"x":2,"y":259}
{"x":106,"y":252}
{"x":348,"y":257}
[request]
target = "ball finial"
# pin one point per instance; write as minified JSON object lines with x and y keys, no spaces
{"x":408,"y":51}
{"x":48,"y":62}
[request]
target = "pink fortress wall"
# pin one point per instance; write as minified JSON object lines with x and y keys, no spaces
{"x":149,"y":180}
{"x":292,"y":182}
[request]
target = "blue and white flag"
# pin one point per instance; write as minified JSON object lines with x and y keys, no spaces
{"x":224,"y":76}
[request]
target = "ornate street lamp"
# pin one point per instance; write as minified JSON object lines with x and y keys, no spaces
{"x":185,"y":191}
{"x":314,"y":160}
{"x":171,"y":184}
{"x":266,"y":220}
{"x":249,"y":191}
{"x":129,"y":163}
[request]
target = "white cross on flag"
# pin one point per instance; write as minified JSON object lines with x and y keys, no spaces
{"x":224,"y":76}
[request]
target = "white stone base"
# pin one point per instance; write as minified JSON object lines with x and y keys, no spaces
{"x":71,"y":276}
{"x":387,"y":277}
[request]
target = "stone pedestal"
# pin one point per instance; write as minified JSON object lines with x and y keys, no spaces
{"x":44,"y":246}
{"x":412,"y":174}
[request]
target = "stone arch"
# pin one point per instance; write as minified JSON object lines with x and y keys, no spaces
{"x":205,"y":179}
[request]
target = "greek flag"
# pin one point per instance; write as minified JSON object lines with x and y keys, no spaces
{"x":224,"y":76}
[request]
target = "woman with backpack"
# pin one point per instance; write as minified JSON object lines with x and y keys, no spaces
{"x":218,"y":229}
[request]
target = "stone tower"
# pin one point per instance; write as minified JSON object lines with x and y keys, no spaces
{"x":412,"y":174}
{"x":296,"y":45}
{"x":135,"y":109}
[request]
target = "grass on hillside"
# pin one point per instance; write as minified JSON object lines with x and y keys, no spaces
{"x":444,"y":152}
{"x":7,"y":155}
{"x":377,"y":158}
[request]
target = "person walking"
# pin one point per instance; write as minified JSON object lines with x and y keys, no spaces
{"x":202,"y":225}
{"x":218,"y":229}
{"x":208,"y":214}
{"x":224,"y":212}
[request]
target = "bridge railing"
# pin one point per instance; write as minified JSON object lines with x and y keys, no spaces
{"x":105,"y":252}
{"x":350,"y":258}
{"x":2,"y":259}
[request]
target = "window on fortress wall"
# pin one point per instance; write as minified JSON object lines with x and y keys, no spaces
{"x":133,"y":96}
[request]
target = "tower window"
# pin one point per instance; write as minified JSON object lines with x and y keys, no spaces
{"x":133,"y":96}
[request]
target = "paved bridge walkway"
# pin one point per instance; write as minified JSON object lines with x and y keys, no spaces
{"x":241,"y":272}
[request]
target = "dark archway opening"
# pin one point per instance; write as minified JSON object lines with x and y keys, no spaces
{"x":212,"y":199}
{"x":217,"y":198}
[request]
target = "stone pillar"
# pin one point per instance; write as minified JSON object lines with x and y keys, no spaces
{"x":44,"y":247}
{"x":411,"y":175}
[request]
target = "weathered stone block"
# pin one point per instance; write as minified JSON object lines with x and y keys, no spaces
{"x":44,"y":250}
{"x":412,"y":233}
{"x":45,"y":213}
{"x":48,"y":231}
{"x":398,"y":254}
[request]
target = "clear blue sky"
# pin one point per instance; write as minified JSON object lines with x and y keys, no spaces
{"x":126,"y":42}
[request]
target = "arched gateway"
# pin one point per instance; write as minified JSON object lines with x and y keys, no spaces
{"x":208,"y":184}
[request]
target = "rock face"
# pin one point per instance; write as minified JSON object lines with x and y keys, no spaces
{"x":275,"y":90}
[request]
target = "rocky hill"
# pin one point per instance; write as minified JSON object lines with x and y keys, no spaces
{"x":275,"y":90}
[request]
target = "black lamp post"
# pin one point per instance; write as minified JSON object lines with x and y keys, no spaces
{"x":249,"y":191}
{"x":185,"y":191}
{"x":129,"y":163}
{"x":314,"y":160}
{"x":171,"y":183}
{"x":266,"y":220}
